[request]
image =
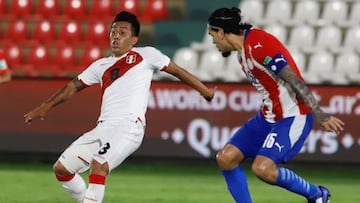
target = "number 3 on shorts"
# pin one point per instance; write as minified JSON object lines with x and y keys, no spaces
{"x":104,"y":149}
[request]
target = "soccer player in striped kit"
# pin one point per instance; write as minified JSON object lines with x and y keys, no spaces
{"x":125,"y":79}
{"x":278,"y":131}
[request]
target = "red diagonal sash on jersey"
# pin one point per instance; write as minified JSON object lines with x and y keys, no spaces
{"x":120,"y":68}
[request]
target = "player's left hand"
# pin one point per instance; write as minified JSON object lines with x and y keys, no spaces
{"x":333,"y":124}
{"x":210,"y":94}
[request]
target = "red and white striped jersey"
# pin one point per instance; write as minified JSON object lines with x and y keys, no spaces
{"x":125,"y":81}
{"x":262,"y":57}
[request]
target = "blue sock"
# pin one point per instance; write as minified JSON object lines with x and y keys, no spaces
{"x":237,"y":184}
{"x":289,"y":180}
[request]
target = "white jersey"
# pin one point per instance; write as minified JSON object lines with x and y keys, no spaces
{"x":125,"y":82}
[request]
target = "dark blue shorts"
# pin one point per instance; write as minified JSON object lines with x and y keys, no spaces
{"x":278,"y":141}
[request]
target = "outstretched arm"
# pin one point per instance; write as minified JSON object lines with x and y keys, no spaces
{"x":191,"y":80}
{"x":59,"y":97}
{"x":329,"y":123}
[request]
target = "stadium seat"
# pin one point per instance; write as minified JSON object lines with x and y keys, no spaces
{"x":102,"y":9}
{"x":277,"y":30}
{"x":334,"y":11}
{"x":211,"y":66}
{"x":354,"y":16}
{"x":48,"y":8}
{"x":204,"y":44}
{"x":44,"y":32}
{"x":75,"y":9}
{"x":321,"y":65}
{"x":70,"y":32}
{"x":21,"y":8}
{"x":347,"y":68}
{"x":187,"y":58}
{"x":2,"y":7}
{"x":39,"y":57}
{"x":233,"y":71}
{"x":352,"y":38}
{"x":302,"y":36}
{"x":17,"y":31}
{"x":132,"y":6}
{"x":15,"y":59}
{"x":89,"y":55}
{"x":299,"y":58}
{"x":65,"y":57}
{"x":278,"y":11}
{"x":329,"y":37}
{"x":252,"y":10}
{"x":306,"y":11}
{"x":154,"y":10}
{"x":98,"y":33}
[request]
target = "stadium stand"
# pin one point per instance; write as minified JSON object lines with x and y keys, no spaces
{"x":307,"y":27}
{"x":48,"y":8}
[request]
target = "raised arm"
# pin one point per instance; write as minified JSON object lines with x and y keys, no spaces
{"x":329,"y":123}
{"x":59,"y":97}
{"x":191,"y":80}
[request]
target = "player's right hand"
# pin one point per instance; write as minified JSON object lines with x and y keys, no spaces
{"x":39,"y":112}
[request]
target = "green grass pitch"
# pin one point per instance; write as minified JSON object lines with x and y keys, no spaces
{"x":170,"y":182}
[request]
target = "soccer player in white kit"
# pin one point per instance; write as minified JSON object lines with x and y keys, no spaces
{"x":125,"y":79}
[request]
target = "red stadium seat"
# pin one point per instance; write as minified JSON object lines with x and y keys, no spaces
{"x":70,"y":31}
{"x":14,"y":56}
{"x":98,"y":33}
{"x":65,"y":56}
{"x":44,"y":31}
{"x":21,"y":7}
{"x":129,"y":5}
{"x":89,"y":55}
{"x":155,"y":10}
{"x":75,"y":9}
{"x":17,"y":30}
{"x":2,"y":7}
{"x":39,"y":59}
{"x":102,"y":9}
{"x":48,"y":8}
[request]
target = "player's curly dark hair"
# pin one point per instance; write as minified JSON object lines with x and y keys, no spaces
{"x":229,"y":19}
{"x":131,"y":18}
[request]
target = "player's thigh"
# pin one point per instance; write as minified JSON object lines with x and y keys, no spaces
{"x":120,"y":144}
{"x":77,"y":157}
{"x":286,"y":138}
{"x":250,"y":136}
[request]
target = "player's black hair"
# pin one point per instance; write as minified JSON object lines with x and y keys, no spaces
{"x":229,"y":19}
{"x":131,"y":18}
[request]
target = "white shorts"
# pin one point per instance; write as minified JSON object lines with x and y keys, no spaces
{"x":109,"y":141}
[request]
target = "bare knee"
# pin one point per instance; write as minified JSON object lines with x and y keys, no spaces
{"x":60,"y":170}
{"x":265,"y":169}
{"x":229,"y":157}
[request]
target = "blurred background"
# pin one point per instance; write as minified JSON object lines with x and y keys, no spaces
{"x":48,"y":42}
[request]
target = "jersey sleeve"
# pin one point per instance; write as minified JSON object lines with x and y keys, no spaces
{"x":267,"y":50}
{"x":157,"y":59}
{"x":90,"y":75}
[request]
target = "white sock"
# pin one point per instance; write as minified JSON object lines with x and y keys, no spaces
{"x":76,"y":187}
{"x":94,"y":193}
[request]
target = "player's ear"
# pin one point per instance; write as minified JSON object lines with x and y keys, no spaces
{"x":134,"y":40}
